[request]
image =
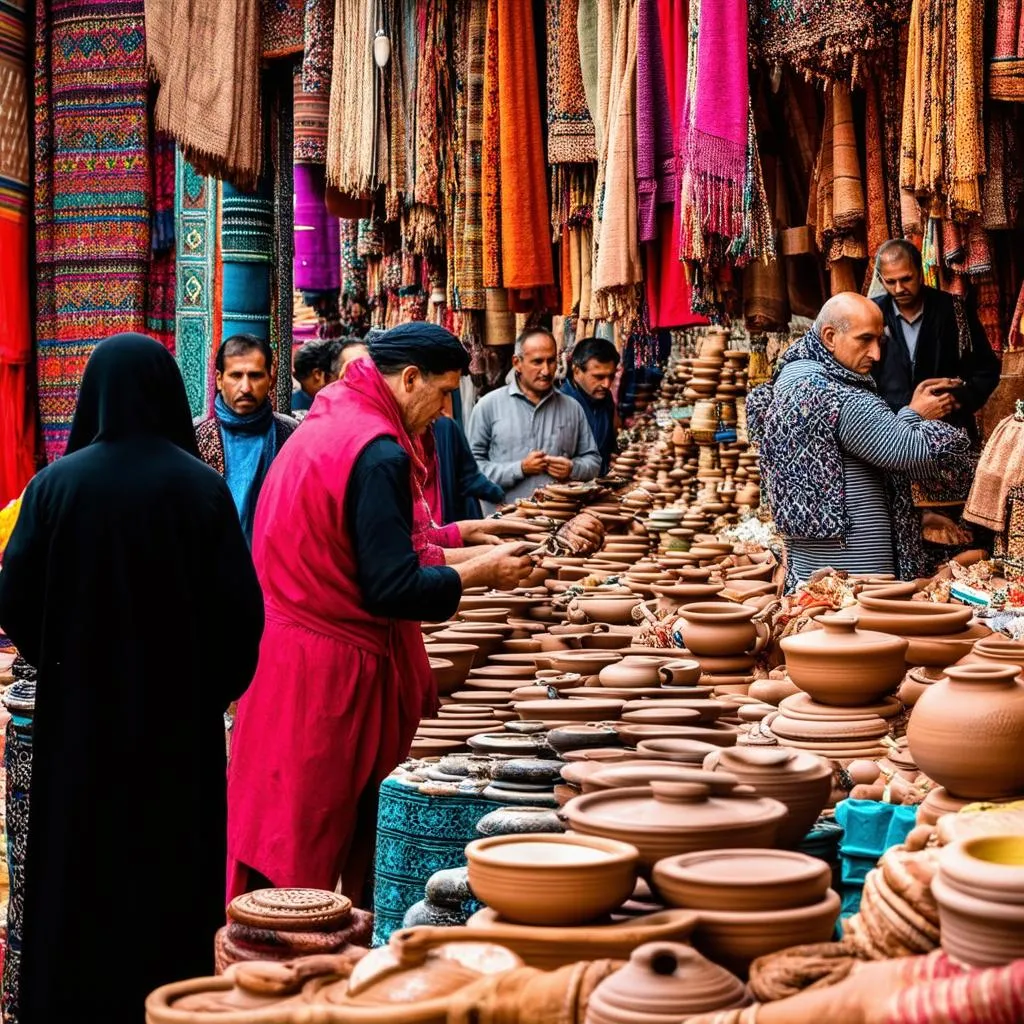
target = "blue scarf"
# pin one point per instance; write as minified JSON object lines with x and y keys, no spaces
{"x":600,"y":416}
{"x":250,"y":444}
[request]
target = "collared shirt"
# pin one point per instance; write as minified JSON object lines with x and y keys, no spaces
{"x":911,"y":331}
{"x":506,"y":426}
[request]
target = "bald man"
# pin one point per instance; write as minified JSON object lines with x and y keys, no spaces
{"x":836,"y":460}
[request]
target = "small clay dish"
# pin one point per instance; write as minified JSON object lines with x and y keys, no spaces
{"x":678,"y":750}
{"x":638,"y":733}
{"x":660,"y":715}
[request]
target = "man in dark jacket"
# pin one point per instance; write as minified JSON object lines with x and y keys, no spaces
{"x":591,"y":373}
{"x":929,"y":334}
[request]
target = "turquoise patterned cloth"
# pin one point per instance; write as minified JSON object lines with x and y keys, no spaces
{"x":416,"y":836}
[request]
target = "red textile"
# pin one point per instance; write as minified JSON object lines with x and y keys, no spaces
{"x":432,"y":481}
{"x":338,"y":692}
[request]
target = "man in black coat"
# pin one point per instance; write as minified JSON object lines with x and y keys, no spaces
{"x":929,"y":334}
{"x":127,"y":582}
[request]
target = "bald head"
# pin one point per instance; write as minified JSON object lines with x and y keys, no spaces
{"x":851,"y":328}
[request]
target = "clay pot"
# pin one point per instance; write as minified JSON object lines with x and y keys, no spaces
{"x":574,"y":709}
{"x":708,"y":711}
{"x":582,"y":737}
{"x":664,"y":983}
{"x":485,"y":614}
{"x":679,"y":751}
{"x":486,"y":643}
{"x":903,"y":618}
{"x":742,"y":880}
{"x":843,"y":665}
{"x":616,"y":611}
{"x":655,"y":713}
{"x":722,"y":629}
{"x":598,"y":777}
{"x":675,"y":595}
{"x":668,"y":818}
{"x":773,"y":691}
{"x":799,"y":779}
{"x":587,"y":663}
{"x":967,"y":731}
{"x":996,"y":651}
{"x":682,"y":672}
{"x":632,"y":671}
{"x":640,"y":732}
{"x":549,"y":879}
{"x":940,"y":651}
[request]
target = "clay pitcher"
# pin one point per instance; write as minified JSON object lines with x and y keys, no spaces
{"x":719,"y":630}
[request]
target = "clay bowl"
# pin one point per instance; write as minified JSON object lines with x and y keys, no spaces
{"x":603,"y":642}
{"x":742,"y":880}
{"x":679,"y":751}
{"x":502,"y":671}
{"x":428,"y":747}
{"x":615,"y":610}
{"x":551,"y":879}
{"x":680,"y":672}
{"x":460,"y":655}
{"x":736,"y":938}
{"x":661,"y":715}
{"x":943,"y":651}
{"x":911,"y":618}
{"x":582,"y":737}
{"x":521,"y":647}
{"x":743,"y":590}
{"x":639,"y":732}
{"x":486,"y":643}
{"x":677,"y":594}
{"x":572,"y":710}
{"x":446,"y":676}
{"x":708,"y":711}
{"x":485,"y":614}
{"x":495,"y":698}
{"x":598,"y":777}
{"x":587,"y":663}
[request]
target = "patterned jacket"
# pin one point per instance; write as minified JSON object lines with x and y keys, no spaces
{"x":211,"y":444}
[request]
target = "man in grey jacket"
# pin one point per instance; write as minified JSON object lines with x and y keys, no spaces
{"x":527,"y":434}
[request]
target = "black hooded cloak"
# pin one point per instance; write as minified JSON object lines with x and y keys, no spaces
{"x":128,"y":584}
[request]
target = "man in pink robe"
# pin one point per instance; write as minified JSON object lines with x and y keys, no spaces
{"x":350,"y":562}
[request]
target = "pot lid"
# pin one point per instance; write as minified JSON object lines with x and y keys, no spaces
{"x":838,"y":634}
{"x":643,"y":773}
{"x":773,"y":762}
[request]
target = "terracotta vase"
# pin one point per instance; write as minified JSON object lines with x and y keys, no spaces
{"x":843,"y":665}
{"x":664,"y":983}
{"x":632,"y":671}
{"x":996,"y":651}
{"x":722,"y":629}
{"x":967,"y":731}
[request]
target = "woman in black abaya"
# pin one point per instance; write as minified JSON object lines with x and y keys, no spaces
{"x":127,"y":582}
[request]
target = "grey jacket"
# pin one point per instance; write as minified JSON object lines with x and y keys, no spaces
{"x":506,"y":426}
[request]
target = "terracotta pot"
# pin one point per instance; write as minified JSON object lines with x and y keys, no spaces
{"x":639,"y":732}
{"x":902,"y":618}
{"x":600,"y":777}
{"x":675,"y":595}
{"x":940,"y":651}
{"x":485,"y":614}
{"x":773,"y":691}
{"x":722,"y":629}
{"x":632,"y":671}
{"x":656,"y":714}
{"x":587,"y":663}
{"x":486,"y":643}
{"x":668,"y":818}
{"x":996,"y":651}
{"x":573,"y":709}
{"x":967,"y":731}
{"x":551,"y":879}
{"x":682,"y":672}
{"x":680,"y":751}
{"x":662,"y":984}
{"x":708,"y":711}
{"x":583,"y":736}
{"x":736,"y":938}
{"x":800,"y":780}
{"x":615,"y":610}
{"x":843,"y":665}
{"x":742,"y":880}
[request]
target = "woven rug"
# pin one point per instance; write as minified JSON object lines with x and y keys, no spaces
{"x":247,"y":256}
{"x":92,"y":191}
{"x":160,"y":291}
{"x":197,"y":311}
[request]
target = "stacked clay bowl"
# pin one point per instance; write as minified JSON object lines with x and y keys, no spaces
{"x":839,"y":733}
{"x":751,"y":902}
{"x":551,"y":879}
{"x":980,"y":891}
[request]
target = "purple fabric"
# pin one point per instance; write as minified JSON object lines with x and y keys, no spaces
{"x":655,"y":142}
{"x":317,"y":265}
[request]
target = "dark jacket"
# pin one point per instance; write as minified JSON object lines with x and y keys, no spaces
{"x":601,"y":418}
{"x":938,"y":355}
{"x":211,"y":443}
{"x":463,"y":486}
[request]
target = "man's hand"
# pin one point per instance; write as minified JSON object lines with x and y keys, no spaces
{"x":502,"y":567}
{"x":493,"y":531}
{"x":558,"y":467}
{"x":934,"y":398}
{"x":534,"y":463}
{"x":584,"y":533}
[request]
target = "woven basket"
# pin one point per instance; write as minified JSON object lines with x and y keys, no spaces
{"x":499,"y":321}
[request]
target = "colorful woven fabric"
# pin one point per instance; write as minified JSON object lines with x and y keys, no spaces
{"x":197,"y":307}
{"x":17,"y":415}
{"x":160,"y":291}
{"x":92,"y":191}
{"x":282,"y":27}
{"x":318,"y":51}
{"x":655,"y":142}
{"x":311,"y":107}
{"x":570,"y":126}
{"x":247,"y":255}
{"x":1006,"y":71}
{"x":282,"y":227}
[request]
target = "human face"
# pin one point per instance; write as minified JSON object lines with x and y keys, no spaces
{"x":350,"y":354}
{"x":422,"y":397}
{"x":859,"y":347}
{"x":902,"y":280}
{"x":536,"y":366}
{"x":245,"y":383}
{"x":317,"y":381}
{"x":596,"y":379}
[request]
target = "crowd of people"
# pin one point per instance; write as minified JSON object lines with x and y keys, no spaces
{"x":293,"y":570}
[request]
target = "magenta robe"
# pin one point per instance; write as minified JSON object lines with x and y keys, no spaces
{"x":338,"y":692}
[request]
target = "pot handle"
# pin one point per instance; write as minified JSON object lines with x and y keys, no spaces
{"x":763,"y":636}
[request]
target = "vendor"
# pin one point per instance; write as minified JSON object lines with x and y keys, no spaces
{"x":833,"y":454}
{"x":313,"y":367}
{"x":591,"y":373}
{"x":528,"y":434}
{"x":350,"y":564}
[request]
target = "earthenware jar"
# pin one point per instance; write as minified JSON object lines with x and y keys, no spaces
{"x":800,"y":780}
{"x":721,"y":629}
{"x":996,"y":651}
{"x":967,"y":731}
{"x":631,"y":672}
{"x":664,"y":983}
{"x":682,"y":672}
{"x":843,"y":665}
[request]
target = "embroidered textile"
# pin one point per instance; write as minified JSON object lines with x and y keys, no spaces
{"x":570,"y":126}
{"x":1006,"y":71}
{"x":282,"y":27}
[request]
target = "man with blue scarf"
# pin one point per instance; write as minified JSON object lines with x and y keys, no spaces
{"x":591,"y":374}
{"x":244,"y":434}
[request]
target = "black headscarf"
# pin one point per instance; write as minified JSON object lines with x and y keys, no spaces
{"x":132,"y":386}
{"x":416,"y":343}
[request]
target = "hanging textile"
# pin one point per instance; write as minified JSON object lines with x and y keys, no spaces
{"x":824,"y":40}
{"x":160,"y":301}
{"x":247,"y":255}
{"x":92,"y":223}
{"x":317,"y":264}
{"x":876,"y":217}
{"x":282,"y":228}
{"x":206,"y":60}
{"x":197,"y":300}
{"x":655,"y":143}
{"x":282,"y":24}
{"x":17,"y":413}
{"x":570,"y":126}
{"x":1006,"y":71}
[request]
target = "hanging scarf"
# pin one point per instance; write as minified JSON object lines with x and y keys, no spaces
{"x":250,"y":444}
{"x":801,"y":460}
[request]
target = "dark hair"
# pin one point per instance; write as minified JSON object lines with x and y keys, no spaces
{"x":315,"y":355}
{"x":239,"y":344}
{"x":531,"y":332}
{"x":897,"y":248}
{"x":429,"y":347}
{"x":599,"y":349}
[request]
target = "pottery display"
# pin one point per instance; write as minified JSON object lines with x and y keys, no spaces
{"x":721,"y":629}
{"x":664,"y":983}
{"x":668,"y":818}
{"x":967,"y":731}
{"x":559,"y":880}
{"x":843,"y":665}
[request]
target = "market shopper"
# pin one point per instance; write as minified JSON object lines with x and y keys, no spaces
{"x":528,"y":434}
{"x":835,"y":458}
{"x":930,"y":334}
{"x":350,"y":563}
{"x":128,"y":584}
{"x":591,"y":374}
{"x":351,"y":349}
{"x":244,"y":435}
{"x":313,"y":367}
